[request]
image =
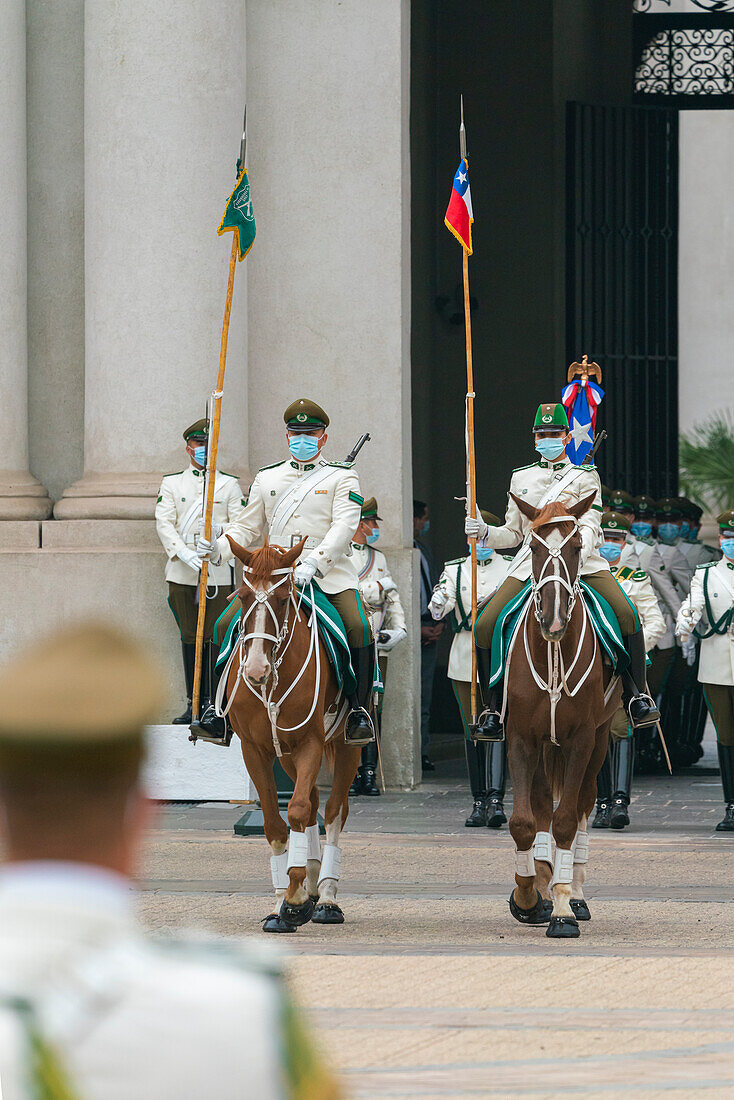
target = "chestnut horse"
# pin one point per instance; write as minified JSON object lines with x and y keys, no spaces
{"x":560,"y":703}
{"x":283,"y":700}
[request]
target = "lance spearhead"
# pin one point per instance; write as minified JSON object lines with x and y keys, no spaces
{"x":243,"y":147}
{"x":462,"y":133}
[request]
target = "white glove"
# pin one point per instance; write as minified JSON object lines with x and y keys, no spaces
{"x":189,"y":557}
{"x":393,"y":637}
{"x":388,"y":585}
{"x":207,"y":550}
{"x":437,"y":603}
{"x":304,"y":572}
{"x":688,"y":649}
{"x":475,"y":527}
{"x":217,"y":530}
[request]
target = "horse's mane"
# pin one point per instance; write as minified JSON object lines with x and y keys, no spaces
{"x":263,"y":562}
{"x":552,"y":509}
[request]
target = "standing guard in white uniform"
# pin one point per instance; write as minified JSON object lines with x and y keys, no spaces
{"x":307,"y":497}
{"x":708,"y":611}
{"x":669,"y":518}
{"x":486,"y":761}
{"x":381,"y":599}
{"x":179,"y":520}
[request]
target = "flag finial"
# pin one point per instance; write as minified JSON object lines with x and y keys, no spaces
{"x":243,"y":147}
{"x":462,"y":132}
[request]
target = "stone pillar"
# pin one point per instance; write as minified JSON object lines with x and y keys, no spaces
{"x":163,"y":99}
{"x":21,"y":496}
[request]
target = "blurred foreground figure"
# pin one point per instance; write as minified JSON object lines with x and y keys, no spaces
{"x":90,"y":1009}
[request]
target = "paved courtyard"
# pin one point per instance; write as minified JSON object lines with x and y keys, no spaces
{"x":430,"y":989}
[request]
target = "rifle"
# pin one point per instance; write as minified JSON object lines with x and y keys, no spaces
{"x":358,"y":446}
{"x":589,"y":460}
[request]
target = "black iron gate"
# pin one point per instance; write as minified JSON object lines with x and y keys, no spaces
{"x":622,"y":283}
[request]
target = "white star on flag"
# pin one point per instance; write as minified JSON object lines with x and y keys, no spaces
{"x":462,"y":177}
{"x":581,"y":433}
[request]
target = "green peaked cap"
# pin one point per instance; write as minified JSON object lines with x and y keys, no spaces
{"x":550,"y":417}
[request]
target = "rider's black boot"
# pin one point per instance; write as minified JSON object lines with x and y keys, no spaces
{"x":368,"y":770}
{"x":640,"y":706}
{"x":476,"y":765}
{"x":212,"y":725}
{"x":359,"y":729}
{"x":726,"y":763}
{"x":187,"y":652}
{"x":489,"y":726}
{"x":604,"y":793}
{"x":624,"y":759}
{"x":496,"y":780}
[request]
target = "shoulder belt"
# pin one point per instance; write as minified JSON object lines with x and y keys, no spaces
{"x":293,"y":495}
{"x":553,"y":491}
{"x":193,"y":512}
{"x":716,"y":627}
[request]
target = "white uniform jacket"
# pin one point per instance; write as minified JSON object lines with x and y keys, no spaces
{"x":636,"y":584}
{"x":290,"y":500}
{"x":128,"y":1018}
{"x":532,"y":483}
{"x":712,"y":596}
{"x":453,"y":593}
{"x":378,"y":590}
{"x":179,"y":519}
{"x":644,"y":554}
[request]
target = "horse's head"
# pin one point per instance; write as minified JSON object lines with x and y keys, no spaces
{"x":555,"y":545}
{"x":265,"y":595}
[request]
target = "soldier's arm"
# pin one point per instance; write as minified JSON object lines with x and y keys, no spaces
{"x":443,"y":600}
{"x":692,"y":607}
{"x":236,"y":503}
{"x":394,"y":613}
{"x":346,"y":514}
{"x":250,"y":527}
{"x":165,"y":521}
{"x":590,"y":522}
{"x":511,"y":532}
{"x":662,"y":583}
{"x":653,"y":623}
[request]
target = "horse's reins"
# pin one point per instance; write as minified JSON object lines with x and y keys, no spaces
{"x":557,"y":682}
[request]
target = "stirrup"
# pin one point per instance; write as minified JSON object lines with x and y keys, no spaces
{"x":650,"y":719}
{"x":478,"y":732}
{"x":362,"y":738}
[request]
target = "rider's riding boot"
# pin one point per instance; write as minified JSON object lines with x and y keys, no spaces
{"x":624,"y":759}
{"x":359,"y":729}
{"x":490,"y":726}
{"x":209,"y":722}
{"x":604,"y":793}
{"x":188,"y":652}
{"x":367,"y":770}
{"x":640,"y":706}
{"x":726,"y":763}
{"x":476,"y":766}
{"x":496,"y":779}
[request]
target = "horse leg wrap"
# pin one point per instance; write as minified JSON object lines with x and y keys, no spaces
{"x":279,"y":871}
{"x":330,"y":863}
{"x":563,"y":867}
{"x":314,"y":844}
{"x":581,"y":847}
{"x":525,"y":863}
{"x":543,"y":848}
{"x":297,"y":849}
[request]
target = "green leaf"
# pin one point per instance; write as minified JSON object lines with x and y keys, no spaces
{"x":707,"y":462}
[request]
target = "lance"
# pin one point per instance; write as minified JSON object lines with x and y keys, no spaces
{"x":215,"y":412}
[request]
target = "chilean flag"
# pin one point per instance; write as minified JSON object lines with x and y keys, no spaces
{"x":459,"y":214}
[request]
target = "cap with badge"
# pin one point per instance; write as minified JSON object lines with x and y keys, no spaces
{"x":620,"y":500}
{"x":689,"y":509}
{"x":645,"y":507}
{"x":550,"y":417}
{"x":303,"y":413}
{"x":726,"y":522}
{"x":369,"y":509}
{"x":615,"y":523}
{"x":198,"y":430}
{"x":605,"y":495}
{"x":668,"y":506}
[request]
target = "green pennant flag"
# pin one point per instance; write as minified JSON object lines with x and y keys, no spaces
{"x":238,"y":216}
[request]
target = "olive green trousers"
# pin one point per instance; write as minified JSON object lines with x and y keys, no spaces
{"x":720,"y":701}
{"x":182,"y":602}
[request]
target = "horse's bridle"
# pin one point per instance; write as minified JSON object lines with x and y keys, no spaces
{"x":555,"y":553}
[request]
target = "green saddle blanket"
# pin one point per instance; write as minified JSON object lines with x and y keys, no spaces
{"x":331,"y":631}
{"x":601,"y":614}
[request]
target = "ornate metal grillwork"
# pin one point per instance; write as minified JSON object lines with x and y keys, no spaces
{"x":622,"y":283}
{"x":684,"y":60}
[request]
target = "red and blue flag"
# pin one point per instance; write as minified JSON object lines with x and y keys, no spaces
{"x":459,"y":215}
{"x":581,"y":399}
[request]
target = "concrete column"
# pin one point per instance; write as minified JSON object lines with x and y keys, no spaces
{"x":21,"y":496}
{"x":163,"y":98}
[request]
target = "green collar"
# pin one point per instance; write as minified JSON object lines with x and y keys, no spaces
{"x":359,"y":545}
{"x":195,"y":472}
{"x":299,"y":466}
{"x":555,"y":465}
{"x":730,"y":565}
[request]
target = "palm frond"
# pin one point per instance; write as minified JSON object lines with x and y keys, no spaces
{"x":707,"y":461}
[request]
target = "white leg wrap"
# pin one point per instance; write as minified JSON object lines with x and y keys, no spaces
{"x":563,"y":867}
{"x":297,"y":849}
{"x":279,"y":871}
{"x":314,"y":843}
{"x":331,"y":863}
{"x":581,"y":847}
{"x":525,"y":863}
{"x":543,"y":847}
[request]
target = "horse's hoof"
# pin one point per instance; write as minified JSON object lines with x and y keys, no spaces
{"x":297,"y":914}
{"x":581,"y":910}
{"x":536,"y":915}
{"x":273,"y":923}
{"x":563,"y":928}
{"x":327,"y":914}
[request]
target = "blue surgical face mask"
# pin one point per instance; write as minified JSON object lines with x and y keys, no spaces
{"x":200,"y":455}
{"x":303,"y":447}
{"x":550,"y":448}
{"x":610,"y":550}
{"x":668,"y":532}
{"x":692,"y":535}
{"x":727,"y":548}
{"x":374,"y":536}
{"x":484,"y":553}
{"x":684,"y":529}
{"x":426,"y":527}
{"x":642,"y":529}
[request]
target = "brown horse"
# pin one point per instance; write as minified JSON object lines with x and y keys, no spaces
{"x":283,"y":700}
{"x":560,"y":705}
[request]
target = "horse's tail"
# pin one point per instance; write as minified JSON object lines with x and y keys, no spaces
{"x":555,"y":769}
